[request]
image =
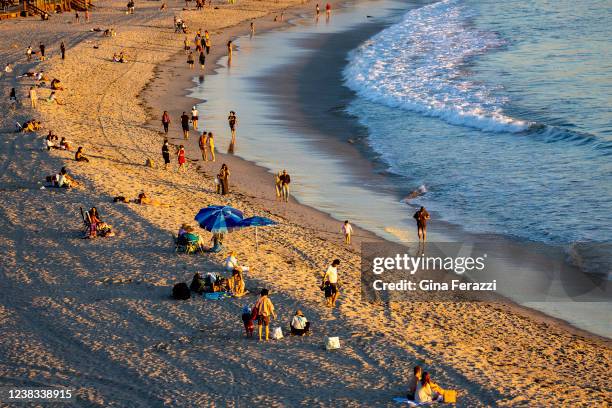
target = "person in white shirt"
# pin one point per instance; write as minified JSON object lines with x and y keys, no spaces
{"x":300,"y":326}
{"x":195,"y":115}
{"x":347,"y":230}
{"x":330,"y":283}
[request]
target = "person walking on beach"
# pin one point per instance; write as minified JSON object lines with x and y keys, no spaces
{"x":166,"y":154}
{"x":421,"y":217}
{"x":190,"y":60}
{"x":278,"y":185}
{"x":76,"y":16}
{"x":185,"y":125}
{"x":232,"y":120}
{"x":330,"y":283}
{"x":165,"y":119}
{"x":347,"y":230}
{"x":265,"y":310}
{"x":211,"y":145}
{"x":41,"y":46}
{"x":33,"y":97}
{"x":194,"y":117}
{"x":317,"y":10}
{"x":252,"y":29}
{"x":186,"y":46}
{"x":224,"y":174}
{"x":328,"y":10}
{"x":63,"y":50}
{"x":181,"y":158}
{"x":202,"y":142}
{"x":29,"y":53}
{"x":230,"y":49}
{"x":202,"y":60}
{"x":285,"y":180}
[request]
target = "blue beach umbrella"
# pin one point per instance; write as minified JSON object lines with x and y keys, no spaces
{"x":219,"y":219}
{"x":256,"y":222}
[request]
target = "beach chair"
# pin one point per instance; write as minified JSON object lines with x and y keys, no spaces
{"x":186,"y":247}
{"x":87,"y":226}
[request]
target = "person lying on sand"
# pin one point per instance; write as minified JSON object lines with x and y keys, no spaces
{"x":78,"y":156}
{"x":300,"y":326}
{"x":144,"y":199}
{"x":31,"y":126}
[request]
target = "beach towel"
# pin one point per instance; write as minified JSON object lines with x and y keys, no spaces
{"x":410,"y":403}
{"x":277,"y":333}
{"x":332,"y":343}
{"x":217,"y":295}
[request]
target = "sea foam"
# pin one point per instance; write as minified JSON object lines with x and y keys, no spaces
{"x":418,"y":64}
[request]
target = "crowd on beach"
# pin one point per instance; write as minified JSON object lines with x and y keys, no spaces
{"x":233,"y":279}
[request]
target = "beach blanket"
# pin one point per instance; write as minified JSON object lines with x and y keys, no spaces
{"x":217,"y":295}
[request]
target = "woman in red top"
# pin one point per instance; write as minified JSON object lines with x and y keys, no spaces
{"x":181,"y":157}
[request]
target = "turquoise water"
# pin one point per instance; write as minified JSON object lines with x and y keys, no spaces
{"x":501,"y":110}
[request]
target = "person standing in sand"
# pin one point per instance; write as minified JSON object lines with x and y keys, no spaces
{"x":166,"y":154}
{"x":421,"y":217}
{"x":232,"y":120}
{"x":165,"y":121}
{"x":185,"y":125}
{"x":285,"y":180}
{"x":190,"y":60}
{"x":63,"y":50}
{"x":211,"y":145}
{"x":265,"y":310}
{"x":181,"y":158}
{"x":330,"y":283}
{"x":202,"y":144}
{"x":33,"y":97}
{"x":194,"y":117}
{"x":278,"y":185}
{"x":207,"y":42}
{"x":347,"y":230}
{"x":224,"y":174}
{"x":230,"y":51}
{"x":41,"y":46}
{"x":29,"y":53}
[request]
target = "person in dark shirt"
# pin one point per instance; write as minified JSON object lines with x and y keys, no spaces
{"x":166,"y":154}
{"x":285,"y":179}
{"x":421,"y":217}
{"x":185,"y":125}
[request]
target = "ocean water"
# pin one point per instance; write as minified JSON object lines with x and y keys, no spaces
{"x":501,"y":110}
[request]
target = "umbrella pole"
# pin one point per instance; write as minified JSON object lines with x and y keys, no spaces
{"x":256,"y":243}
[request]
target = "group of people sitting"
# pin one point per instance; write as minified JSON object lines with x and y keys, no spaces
{"x":62,"y":179}
{"x":51,"y":142}
{"x":422,"y":389}
{"x":119,"y":57}
{"x":97,"y":227}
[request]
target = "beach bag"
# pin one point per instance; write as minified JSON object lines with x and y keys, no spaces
{"x":450,"y":396}
{"x":181,"y":291}
{"x":277,"y":333}
{"x":332,"y":343}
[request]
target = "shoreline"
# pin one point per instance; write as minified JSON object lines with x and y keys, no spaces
{"x":255,"y":186}
{"x":95,"y":314}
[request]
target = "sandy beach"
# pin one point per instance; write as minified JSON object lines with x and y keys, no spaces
{"x":96,"y":315}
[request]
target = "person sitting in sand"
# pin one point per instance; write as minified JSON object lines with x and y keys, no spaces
{"x":191,"y":238}
{"x":78,"y":156}
{"x":65,"y":180}
{"x":64,"y":144}
{"x":300,"y":326}
{"x":182,"y":230}
{"x":247,"y":320}
{"x":427,"y":390}
{"x":53,"y":99}
{"x":49,"y":143}
{"x":231,"y":263}
{"x":414,"y":380}
{"x":197,"y":283}
{"x":56,"y":85}
{"x":97,"y":226}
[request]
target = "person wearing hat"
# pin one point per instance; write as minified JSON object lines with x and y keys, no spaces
{"x":300,"y":326}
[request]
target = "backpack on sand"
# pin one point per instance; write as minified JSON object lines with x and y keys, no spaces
{"x":181,"y":291}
